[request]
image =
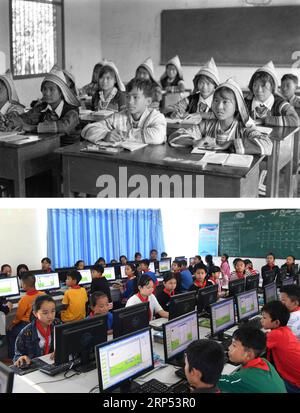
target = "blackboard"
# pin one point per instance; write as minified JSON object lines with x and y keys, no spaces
{"x":234,"y":36}
{"x":255,"y":233}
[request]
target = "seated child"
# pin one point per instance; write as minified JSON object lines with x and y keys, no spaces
{"x":145,"y":294}
{"x":164,"y":295}
{"x":214,"y":278}
{"x":257,"y":375}
{"x":137,"y":123}
{"x":9,"y":101}
{"x":264,"y":104}
{"x":145,"y":71}
{"x":176,"y":268}
{"x":270,"y":266}
{"x":123,"y":259}
{"x":130,"y":286}
{"x":100,"y":283}
{"x":249,"y":267}
{"x":46,"y":264}
{"x":91,"y":88}
{"x":290,"y":297}
{"x":209,"y":264}
{"x":100,"y":306}
{"x":283,"y":347}
{"x":144,"y":269}
{"x":20,"y":269}
{"x":200,"y":101}
{"x":289,"y":84}
{"x":200,"y":278}
{"x":186,"y":278}
{"x":110,"y":93}
{"x":204,"y":362}
{"x":172,"y":78}
{"x":24,"y":309}
{"x":37,"y":338}
{"x":231,"y":130}
{"x":74,"y":299}
{"x":101,"y":261}
{"x":79,"y":265}
{"x":57,"y":112}
{"x":6,"y":270}
{"x":240,"y":270}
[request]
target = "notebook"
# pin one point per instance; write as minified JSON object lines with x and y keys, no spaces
{"x":4,"y":136}
{"x":263,"y":129}
{"x":189,"y":120}
{"x":232,"y":159}
{"x":26,"y":139}
{"x":132,"y":146}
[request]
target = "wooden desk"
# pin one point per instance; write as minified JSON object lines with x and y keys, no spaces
{"x":82,"y":169}
{"x":18,"y":162}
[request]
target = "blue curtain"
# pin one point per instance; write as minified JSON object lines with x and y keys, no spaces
{"x":88,"y":234}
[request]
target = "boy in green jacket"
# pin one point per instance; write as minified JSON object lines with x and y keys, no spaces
{"x":256,"y":374}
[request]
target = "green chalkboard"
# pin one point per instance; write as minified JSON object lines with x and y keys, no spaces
{"x":234,"y":36}
{"x":255,"y":233}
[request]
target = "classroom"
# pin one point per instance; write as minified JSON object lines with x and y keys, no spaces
{"x":112,"y":301}
{"x":189,"y":98}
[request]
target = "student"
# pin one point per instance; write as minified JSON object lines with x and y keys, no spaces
{"x":225,"y":270}
{"x":6,"y":270}
{"x":249,"y":267}
{"x":91,"y":88}
{"x":270,"y":266}
{"x":79,"y":265}
{"x":239,"y":270}
{"x":75,"y":299}
{"x":176,"y":268}
{"x":289,"y":84}
{"x":290,"y":297}
{"x":200,"y":278}
{"x":144,"y":269}
{"x":164,"y":294}
{"x":204,"y":362}
{"x":145,"y":71}
{"x":137,"y":123}
{"x":20,"y":269}
{"x":186,"y":278}
{"x":130,"y":286}
{"x":197,"y":260}
{"x":46,"y":264}
{"x":209,"y":263}
{"x":100,"y":306}
{"x":137,"y":256}
{"x":289,"y":266}
{"x":163,"y":255}
{"x":37,"y":338}
{"x":153,"y":255}
{"x":123,"y":259}
{"x":214,"y":278}
{"x":57,"y":112}
{"x":9,"y":101}
{"x":113,"y":261}
{"x":100,"y":283}
{"x":232,"y":130}
{"x":257,"y":375}
{"x":110,"y":94}
{"x":24,"y":309}
{"x":101,"y":261}
{"x":283,"y":347}
{"x":145,"y":294}
{"x":172,"y":78}
{"x":200,"y":101}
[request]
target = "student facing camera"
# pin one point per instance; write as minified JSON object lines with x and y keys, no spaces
{"x":172,"y":79}
{"x":146,"y":71}
{"x":289,"y":84}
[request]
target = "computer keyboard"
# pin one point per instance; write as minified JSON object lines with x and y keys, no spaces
{"x":181,"y":387}
{"x":152,"y":386}
{"x":53,"y":369}
{"x":26,"y":369}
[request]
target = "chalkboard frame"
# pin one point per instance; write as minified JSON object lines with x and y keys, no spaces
{"x":278,"y":254}
{"x":176,"y":23}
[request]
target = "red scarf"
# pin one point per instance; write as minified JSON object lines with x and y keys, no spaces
{"x":240,"y":275}
{"x":257,"y":363}
{"x":170,"y":294}
{"x":199,"y":284}
{"x":32,"y":292}
{"x":213,"y":280}
{"x":271,"y":266}
{"x":296,"y":309}
{"x":45,"y":334}
{"x":145,"y":300}
{"x":75,"y":287}
{"x":92,"y":314}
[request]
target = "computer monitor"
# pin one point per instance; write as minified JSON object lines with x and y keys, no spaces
{"x":181,"y":304}
{"x":62,"y":273}
{"x":122,"y":271}
{"x":152,"y":266}
{"x":48,"y":281}
{"x":182,"y":257}
{"x":236,"y":287}
{"x":109,"y":273}
{"x":129,"y":319}
{"x":270,"y":292}
{"x":247,"y":305}
{"x":164,"y":266}
{"x":298,"y":279}
{"x":287,"y":281}
{"x":177,"y":335}
{"x":206,"y":296}
{"x":6,"y":379}
{"x":269,"y":277}
{"x":78,"y":339}
{"x":86,"y":277}
{"x":123,"y":359}
{"x":221,"y":318}
{"x":33,"y":272}
{"x":9,"y":287}
{"x":252,"y":282}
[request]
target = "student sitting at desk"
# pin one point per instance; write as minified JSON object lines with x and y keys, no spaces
{"x":231,"y":130}
{"x":289,"y":84}
{"x":20,"y":269}
{"x":239,"y":270}
{"x":200,"y":101}
{"x":257,"y":375}
{"x":214,"y":278}
{"x":100,"y":306}
{"x":204,"y":362}
{"x":145,"y":71}
{"x":101,"y":261}
{"x":270,"y":266}
{"x":186,"y":278}
{"x":91,"y":88}
{"x":144,"y":269}
{"x":79,"y":265}
{"x":290,"y":297}
{"x":110,"y":93}
{"x":9,"y":101}
{"x":75,"y":299}
{"x":123,"y":259}
{"x":6,"y":270}
{"x":130,"y":286}
{"x":283,"y":347}
{"x":200,"y":278}
{"x":145,"y":294}
{"x":37,"y":338}
{"x":46,"y":264}
{"x":264,"y":104}
{"x":165,"y":293}
{"x":99,"y":282}
{"x":137,"y":123}
{"x":172,"y":78}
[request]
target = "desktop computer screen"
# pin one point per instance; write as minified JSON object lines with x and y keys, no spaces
{"x":9,"y":287}
{"x":252,"y":282}
{"x":121,"y":360}
{"x":152,"y":266}
{"x":181,"y":304}
{"x":270,"y":293}
{"x":298,"y":279}
{"x":48,"y":281}
{"x":222,"y":318}
{"x":236,"y":287}
{"x":164,"y":266}
{"x":182,"y":257}
{"x":109,"y":273}
{"x":62,"y":273}
{"x":287,"y":281}
{"x":78,"y":339}
{"x":178,"y":334}
{"x":129,"y":319}
{"x":206,"y":296}
{"x":122,"y":270}
{"x":86,"y":276}
{"x":247,"y":305}
{"x":6,"y":379}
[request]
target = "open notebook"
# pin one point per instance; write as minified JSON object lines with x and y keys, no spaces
{"x":227,"y":159}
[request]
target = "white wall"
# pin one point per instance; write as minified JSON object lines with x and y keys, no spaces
{"x":130,"y":32}
{"x":23,"y":237}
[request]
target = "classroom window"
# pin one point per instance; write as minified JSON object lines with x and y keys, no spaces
{"x":36,"y":36}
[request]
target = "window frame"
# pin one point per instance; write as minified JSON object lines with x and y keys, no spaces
{"x":54,"y":2}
